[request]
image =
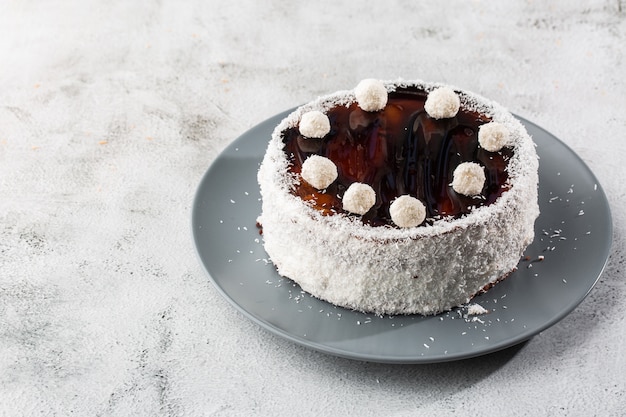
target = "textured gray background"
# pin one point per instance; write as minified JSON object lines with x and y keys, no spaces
{"x":110,"y":113}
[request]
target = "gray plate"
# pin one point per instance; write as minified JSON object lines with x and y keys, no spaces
{"x":573,"y":234}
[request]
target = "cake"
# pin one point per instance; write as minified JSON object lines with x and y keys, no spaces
{"x":398,"y":197}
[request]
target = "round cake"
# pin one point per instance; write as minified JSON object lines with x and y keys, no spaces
{"x":398,"y":197}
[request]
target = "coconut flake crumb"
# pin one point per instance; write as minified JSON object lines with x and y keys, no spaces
{"x":359,"y":198}
{"x":319,"y":171}
{"x":493,"y":136}
{"x":314,"y":124}
{"x":468,"y":179}
{"x":407,"y":211}
{"x":476,"y":309}
{"x":442,"y":103}
{"x":371,"y":95}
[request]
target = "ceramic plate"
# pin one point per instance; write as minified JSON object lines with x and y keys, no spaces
{"x":571,"y":247}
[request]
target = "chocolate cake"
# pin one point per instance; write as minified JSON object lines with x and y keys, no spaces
{"x":398,"y":197}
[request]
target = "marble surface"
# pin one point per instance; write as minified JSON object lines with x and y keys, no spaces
{"x":111,"y":112}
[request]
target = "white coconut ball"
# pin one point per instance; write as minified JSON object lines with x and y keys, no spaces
{"x":407,"y":211}
{"x":359,"y":198}
{"x":442,"y":103}
{"x":371,"y":95}
{"x":319,"y":171}
{"x":314,"y":124}
{"x":468,"y":179}
{"x":493,"y":136}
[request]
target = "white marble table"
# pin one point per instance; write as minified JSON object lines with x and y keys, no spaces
{"x":111,"y":112}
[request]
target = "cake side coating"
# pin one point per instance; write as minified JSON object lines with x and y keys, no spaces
{"x":424,"y":269}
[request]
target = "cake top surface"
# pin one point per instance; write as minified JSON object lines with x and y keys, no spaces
{"x":398,"y":148}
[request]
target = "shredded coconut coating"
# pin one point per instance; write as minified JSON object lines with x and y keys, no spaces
{"x":314,"y":124}
{"x":371,"y":95}
{"x":442,"y":103}
{"x":468,"y":179}
{"x":387,"y":270}
{"x":493,"y":136}
{"x":407,"y":211}
{"x":359,"y":198}
{"x":319,"y":171}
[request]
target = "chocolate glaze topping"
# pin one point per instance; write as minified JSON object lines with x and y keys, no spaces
{"x":399,"y":150}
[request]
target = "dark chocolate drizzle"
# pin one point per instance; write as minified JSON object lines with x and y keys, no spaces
{"x":399,"y":150}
